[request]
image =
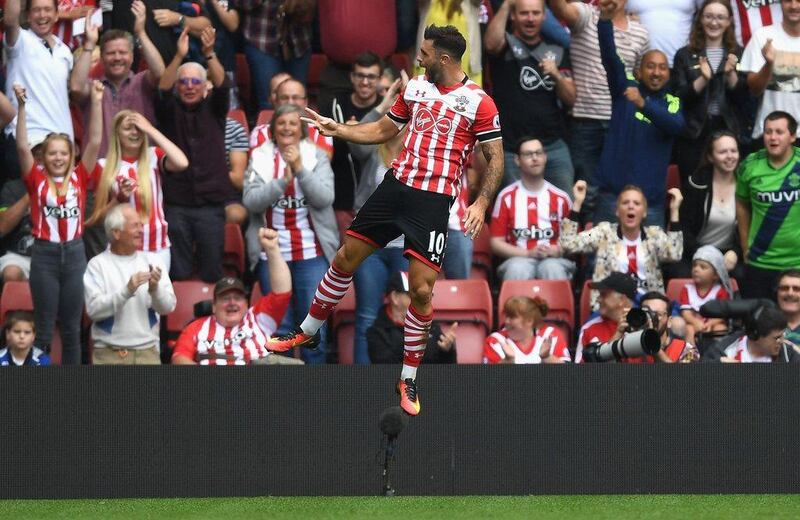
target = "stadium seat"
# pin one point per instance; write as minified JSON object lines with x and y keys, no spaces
{"x":239,"y":115}
{"x":673,"y":177}
{"x":16,"y":297}
{"x":234,"y":256}
{"x":243,"y":80}
{"x":315,"y":68}
{"x":557,"y":294}
{"x":264,"y":117}
{"x":481,"y":257}
{"x":585,"y":303}
{"x":187,"y":293}
{"x":401,"y":61}
{"x":469,"y":302}
{"x":255,"y":294}
{"x":344,"y":329}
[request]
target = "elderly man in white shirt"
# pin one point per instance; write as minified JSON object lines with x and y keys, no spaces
{"x":125,"y":292}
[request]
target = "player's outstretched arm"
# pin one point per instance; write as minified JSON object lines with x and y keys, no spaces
{"x":476,"y":212}
{"x":367,"y":133}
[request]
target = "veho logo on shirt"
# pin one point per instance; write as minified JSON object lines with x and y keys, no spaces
{"x":533,"y":233}
{"x":290,"y":203}
{"x":62,"y":211}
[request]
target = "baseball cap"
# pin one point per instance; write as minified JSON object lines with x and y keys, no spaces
{"x":398,"y":281}
{"x":228,"y":283}
{"x":619,"y":282}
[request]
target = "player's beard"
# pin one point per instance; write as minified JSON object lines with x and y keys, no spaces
{"x":434,"y":73}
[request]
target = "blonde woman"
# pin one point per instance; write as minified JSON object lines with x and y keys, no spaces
{"x":132,"y":173}
{"x":57,"y":189}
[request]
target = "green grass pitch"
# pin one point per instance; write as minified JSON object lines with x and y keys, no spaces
{"x":692,"y":507}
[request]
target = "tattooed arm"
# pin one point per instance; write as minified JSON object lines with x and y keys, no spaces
{"x":473,"y":217}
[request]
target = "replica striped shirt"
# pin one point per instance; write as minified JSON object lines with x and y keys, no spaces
{"x":527,"y":218}
{"x":155,"y":230}
{"x":290,"y":217}
{"x":738,"y":351}
{"x":691,"y":300}
{"x":445,"y":123}
{"x":751,"y":15}
{"x":207,"y":342}
{"x":57,"y":218}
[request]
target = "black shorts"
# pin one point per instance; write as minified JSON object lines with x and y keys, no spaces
{"x":395,"y":209}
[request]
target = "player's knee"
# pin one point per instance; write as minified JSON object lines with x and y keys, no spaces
{"x":421,"y":293}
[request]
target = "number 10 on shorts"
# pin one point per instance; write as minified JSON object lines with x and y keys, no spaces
{"x":436,"y":246}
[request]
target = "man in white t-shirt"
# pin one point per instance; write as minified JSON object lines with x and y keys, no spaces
{"x":668,"y":22}
{"x":37,"y":58}
{"x":772,"y":61}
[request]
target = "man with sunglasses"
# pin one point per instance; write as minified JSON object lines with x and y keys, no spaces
{"x":194,"y":200}
{"x":351,"y":107}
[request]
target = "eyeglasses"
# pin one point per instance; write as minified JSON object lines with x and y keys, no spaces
{"x":531,"y":155}
{"x":190,"y":81}
{"x":715,"y":17}
{"x":360,"y":76}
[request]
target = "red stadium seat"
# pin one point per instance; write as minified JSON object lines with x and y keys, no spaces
{"x":239,"y":115}
{"x":344,"y":319}
{"x":557,"y":294}
{"x":469,"y":302}
{"x":585,"y":303}
{"x":315,"y":68}
{"x":401,"y":61}
{"x":481,"y":257}
{"x":264,"y":117}
{"x":187,"y":293}
{"x":16,"y":297}
{"x":673,"y":177}
{"x":234,"y":257}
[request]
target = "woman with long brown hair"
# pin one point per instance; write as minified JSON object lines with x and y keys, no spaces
{"x":712,"y":91}
{"x":132,"y":173}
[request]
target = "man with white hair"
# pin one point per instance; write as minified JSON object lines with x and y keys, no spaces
{"x":125,"y":292}
{"x":194,"y":200}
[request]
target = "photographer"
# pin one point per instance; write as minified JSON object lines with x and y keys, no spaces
{"x":673,"y":349}
{"x":616,"y":295}
{"x":762,"y":340}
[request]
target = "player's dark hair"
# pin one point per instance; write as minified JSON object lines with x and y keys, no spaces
{"x":524,"y":139}
{"x":446,"y":39}
{"x":655,"y":295}
{"x":780,"y":114}
{"x":368,"y":59}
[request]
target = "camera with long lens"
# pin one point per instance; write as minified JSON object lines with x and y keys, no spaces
{"x":641,"y":338}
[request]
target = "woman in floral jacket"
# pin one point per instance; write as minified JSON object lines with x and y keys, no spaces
{"x":626,"y":246}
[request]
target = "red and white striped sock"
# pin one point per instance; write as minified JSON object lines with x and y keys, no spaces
{"x":330,"y":291}
{"x":415,"y":336}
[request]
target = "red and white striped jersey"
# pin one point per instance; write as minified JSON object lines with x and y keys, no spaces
{"x":261,"y":135}
{"x":529,"y":218}
{"x":751,"y":15}
{"x":445,"y":123}
{"x":691,"y":300}
{"x":632,"y":260}
{"x":56,"y":218}
{"x":209,"y":343}
{"x":525,"y":354}
{"x":738,"y":351}
{"x":155,"y":230}
{"x":596,"y":330}
{"x":290,"y":217}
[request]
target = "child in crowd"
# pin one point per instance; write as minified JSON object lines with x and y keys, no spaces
{"x":710,"y":281}
{"x":526,"y":338}
{"x":20,"y":335}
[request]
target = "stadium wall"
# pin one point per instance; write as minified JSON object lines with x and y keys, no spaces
{"x":101,"y":432}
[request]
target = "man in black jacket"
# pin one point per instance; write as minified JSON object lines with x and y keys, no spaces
{"x":385,"y":337}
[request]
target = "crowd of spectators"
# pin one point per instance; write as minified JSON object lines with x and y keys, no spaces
{"x":122,"y":164}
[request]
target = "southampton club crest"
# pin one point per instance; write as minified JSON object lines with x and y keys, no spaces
{"x":461,"y":103}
